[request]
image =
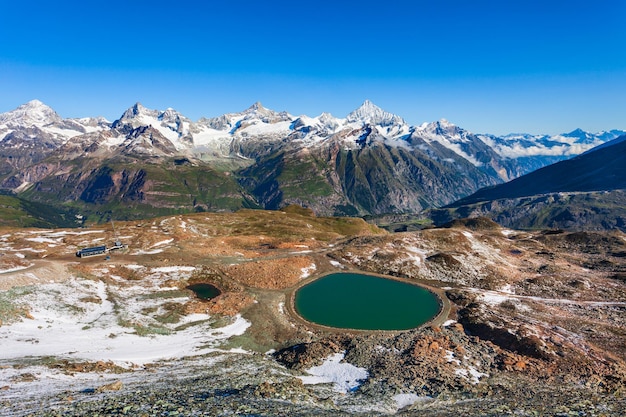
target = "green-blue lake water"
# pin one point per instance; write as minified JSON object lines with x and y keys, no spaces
{"x":365,"y":302}
{"x":204,"y":291}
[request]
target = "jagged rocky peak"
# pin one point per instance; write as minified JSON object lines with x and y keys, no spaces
{"x":169,"y":114}
{"x":372,"y":114}
{"x":257,"y":108}
{"x":258,"y":111}
{"x":139,"y":115}
{"x":173,"y":117}
{"x":580,"y":135}
{"x":32,"y":113}
{"x":325,"y":122}
{"x":138,"y":110}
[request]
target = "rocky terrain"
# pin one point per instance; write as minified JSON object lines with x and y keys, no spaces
{"x":536,"y":324}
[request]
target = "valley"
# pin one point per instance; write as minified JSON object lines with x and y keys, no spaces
{"x":535,"y":322}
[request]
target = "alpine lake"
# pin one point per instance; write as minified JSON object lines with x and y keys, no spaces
{"x":360,"y":301}
{"x":204,"y":291}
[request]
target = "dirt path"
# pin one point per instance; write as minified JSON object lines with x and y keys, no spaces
{"x":504,"y":295}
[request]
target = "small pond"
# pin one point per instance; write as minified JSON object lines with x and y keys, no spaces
{"x":365,"y":302}
{"x":204,"y":291}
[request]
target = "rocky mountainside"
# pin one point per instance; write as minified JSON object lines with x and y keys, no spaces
{"x":152,"y":162}
{"x":32,"y":131}
{"x":585,"y":192}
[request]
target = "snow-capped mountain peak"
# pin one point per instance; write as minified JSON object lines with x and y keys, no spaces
{"x":265,"y":115}
{"x":370,"y":113}
{"x":137,"y":115}
{"x":257,"y":107}
{"x":443,"y":128}
{"x":444,"y":123}
{"x":169,"y":123}
{"x":32,"y":113}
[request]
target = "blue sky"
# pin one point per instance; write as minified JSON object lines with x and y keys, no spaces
{"x":488,"y":66}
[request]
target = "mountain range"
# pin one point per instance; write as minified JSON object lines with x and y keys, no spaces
{"x":152,"y":162}
{"x":584,"y":192}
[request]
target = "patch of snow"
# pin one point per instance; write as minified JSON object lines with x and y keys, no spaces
{"x":415,"y":255}
{"x":345,"y":376}
{"x":336,"y":264}
{"x":493,"y":298}
{"x":450,"y":357}
{"x":17,"y":268}
{"x":470,"y":373}
{"x":161,"y":243}
{"x":170,"y":269}
{"x":508,"y":289}
{"x":307,"y":271}
{"x":43,"y":240}
{"x":65,"y":232}
{"x":448,"y":323}
{"x":147,"y":252}
{"x":404,"y":400}
{"x":29,"y":250}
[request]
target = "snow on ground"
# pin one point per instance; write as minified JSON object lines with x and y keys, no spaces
{"x":163,"y":242}
{"x":65,"y":232}
{"x":17,"y":268}
{"x":415,"y":255}
{"x":44,"y":240}
{"x":307,"y":271}
{"x":170,"y":269}
{"x":345,"y":376}
{"x":77,"y":320}
{"x":147,"y":252}
{"x":404,"y":400}
{"x":498,"y":297}
{"x":450,"y":357}
{"x":493,"y":298}
{"x":465,"y":370}
{"x":508,"y":289}
{"x":470,"y":373}
{"x":336,"y":264}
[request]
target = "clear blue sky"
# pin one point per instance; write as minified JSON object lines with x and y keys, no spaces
{"x":488,"y":66}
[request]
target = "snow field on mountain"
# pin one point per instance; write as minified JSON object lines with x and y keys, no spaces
{"x":218,"y":133}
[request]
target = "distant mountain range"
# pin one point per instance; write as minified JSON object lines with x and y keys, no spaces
{"x":151,"y":162}
{"x":585,"y":192}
